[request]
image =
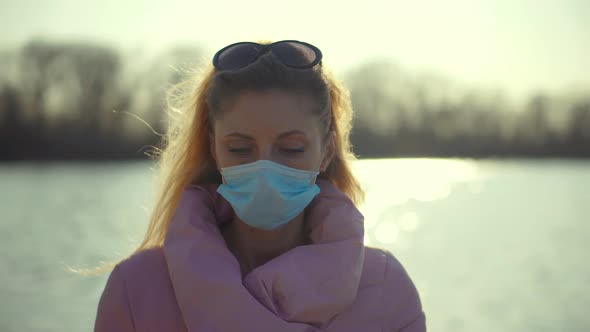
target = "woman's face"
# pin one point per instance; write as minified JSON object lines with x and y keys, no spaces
{"x":271,"y":125}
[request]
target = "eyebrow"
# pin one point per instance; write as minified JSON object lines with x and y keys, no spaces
{"x":240,"y":135}
{"x":291,"y":132}
{"x":282,"y":135}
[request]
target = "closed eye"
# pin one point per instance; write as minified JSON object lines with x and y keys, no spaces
{"x":292,"y":150}
{"x":240,"y":150}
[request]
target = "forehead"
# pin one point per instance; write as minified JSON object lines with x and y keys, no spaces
{"x":268,"y":113}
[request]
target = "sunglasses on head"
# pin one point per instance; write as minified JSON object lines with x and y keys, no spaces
{"x":291,"y":53}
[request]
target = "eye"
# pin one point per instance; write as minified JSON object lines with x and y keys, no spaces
{"x":239,"y":150}
{"x":292,"y":151}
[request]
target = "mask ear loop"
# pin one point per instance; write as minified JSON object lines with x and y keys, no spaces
{"x":329,"y":136}
{"x":319,"y":170}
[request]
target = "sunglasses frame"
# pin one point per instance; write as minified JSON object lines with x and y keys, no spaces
{"x":265,"y":48}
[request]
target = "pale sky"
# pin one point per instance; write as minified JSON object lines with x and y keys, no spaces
{"x":520,"y":46}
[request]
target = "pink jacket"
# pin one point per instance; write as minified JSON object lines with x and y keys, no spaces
{"x":193,"y":282}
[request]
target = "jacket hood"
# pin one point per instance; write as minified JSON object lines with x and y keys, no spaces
{"x":300,"y":290}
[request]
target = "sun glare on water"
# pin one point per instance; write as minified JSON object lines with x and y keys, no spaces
{"x":396,"y":182}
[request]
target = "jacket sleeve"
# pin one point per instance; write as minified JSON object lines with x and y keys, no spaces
{"x":114,"y":311}
{"x":403,"y":299}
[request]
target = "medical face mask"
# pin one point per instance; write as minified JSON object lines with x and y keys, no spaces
{"x":267,"y":195}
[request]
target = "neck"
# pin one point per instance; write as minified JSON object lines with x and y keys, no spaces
{"x":254,"y":247}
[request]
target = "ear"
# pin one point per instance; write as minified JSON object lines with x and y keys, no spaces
{"x":329,"y":151}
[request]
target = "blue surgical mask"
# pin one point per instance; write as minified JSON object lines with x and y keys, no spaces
{"x":267,"y":195}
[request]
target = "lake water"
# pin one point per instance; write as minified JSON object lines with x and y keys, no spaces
{"x":491,"y":245}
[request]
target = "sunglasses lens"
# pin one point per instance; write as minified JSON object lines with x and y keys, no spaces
{"x":238,"y":56}
{"x":294,"y":54}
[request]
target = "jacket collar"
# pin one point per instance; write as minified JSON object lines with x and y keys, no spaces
{"x":299,"y":290}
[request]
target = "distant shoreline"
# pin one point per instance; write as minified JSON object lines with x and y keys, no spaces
{"x":86,"y":101}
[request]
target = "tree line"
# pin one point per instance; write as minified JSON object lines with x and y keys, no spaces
{"x":63,"y":100}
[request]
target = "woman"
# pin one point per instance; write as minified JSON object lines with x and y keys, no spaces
{"x":256,"y":227}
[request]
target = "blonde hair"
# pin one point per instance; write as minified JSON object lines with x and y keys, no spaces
{"x":184,"y":156}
